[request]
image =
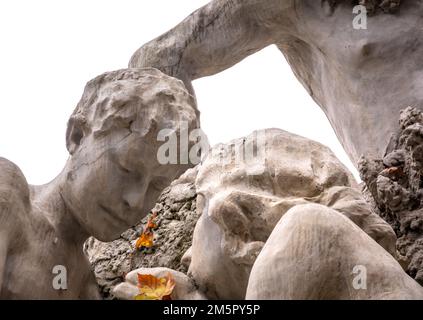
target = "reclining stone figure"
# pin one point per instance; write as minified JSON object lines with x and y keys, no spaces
{"x":110,"y":181}
{"x":243,"y":204}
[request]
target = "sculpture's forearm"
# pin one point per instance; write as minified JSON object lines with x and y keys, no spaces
{"x":212,"y":39}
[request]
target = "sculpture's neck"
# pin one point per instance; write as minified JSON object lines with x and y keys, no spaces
{"x":51,"y":203}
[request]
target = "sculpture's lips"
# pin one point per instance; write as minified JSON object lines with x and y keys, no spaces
{"x":114,"y":215}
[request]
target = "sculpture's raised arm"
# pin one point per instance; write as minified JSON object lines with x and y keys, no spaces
{"x":214,"y":38}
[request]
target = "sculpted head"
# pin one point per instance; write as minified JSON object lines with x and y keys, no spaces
{"x":242,"y":200}
{"x":113,"y":176}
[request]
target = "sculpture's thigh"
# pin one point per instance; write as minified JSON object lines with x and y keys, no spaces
{"x":315,"y":252}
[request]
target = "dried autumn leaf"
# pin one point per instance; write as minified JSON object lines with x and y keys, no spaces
{"x":145,"y":240}
{"x":147,"y":237}
{"x":152,"y":288}
{"x":393,"y":170}
{"x":151,"y":224}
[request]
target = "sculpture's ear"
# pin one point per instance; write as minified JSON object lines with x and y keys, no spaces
{"x":74,"y":133}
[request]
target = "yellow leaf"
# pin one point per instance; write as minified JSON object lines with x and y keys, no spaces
{"x":147,"y":237}
{"x":152,"y":288}
{"x":151,"y":225}
{"x":146,"y":240}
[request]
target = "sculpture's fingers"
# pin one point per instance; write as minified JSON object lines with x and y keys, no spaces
{"x":125,"y":291}
{"x":132,"y":277}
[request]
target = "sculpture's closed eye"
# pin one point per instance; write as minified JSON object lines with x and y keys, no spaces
{"x":159,"y":183}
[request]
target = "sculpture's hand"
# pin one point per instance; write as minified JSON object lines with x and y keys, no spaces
{"x":184,"y":286}
{"x":127,"y":290}
{"x":214,"y":38}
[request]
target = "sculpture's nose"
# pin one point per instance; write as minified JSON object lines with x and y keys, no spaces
{"x":134,"y":197}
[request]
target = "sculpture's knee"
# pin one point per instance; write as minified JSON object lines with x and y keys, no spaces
{"x":311,"y":211}
{"x":313,"y":253}
{"x":301,"y":256}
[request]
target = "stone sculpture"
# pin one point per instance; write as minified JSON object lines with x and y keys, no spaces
{"x":241,"y":202}
{"x":109,"y":183}
{"x":284,"y":221}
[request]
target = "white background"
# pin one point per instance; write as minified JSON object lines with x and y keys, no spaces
{"x":50,"y":49}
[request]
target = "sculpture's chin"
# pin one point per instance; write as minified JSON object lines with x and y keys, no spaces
{"x":105,"y":229}
{"x":107,"y":235}
{"x":108,"y":226}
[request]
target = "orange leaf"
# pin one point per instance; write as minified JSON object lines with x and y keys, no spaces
{"x":150,"y":223}
{"x":145,"y":240}
{"x":393,"y":170}
{"x":147,"y":237}
{"x":152,"y":288}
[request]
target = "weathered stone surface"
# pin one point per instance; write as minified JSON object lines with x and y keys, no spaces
{"x":243,"y":198}
{"x":176,"y":219}
{"x":110,"y":181}
{"x":361,"y":78}
{"x":372,"y":6}
{"x":395,"y":185}
{"x":316,"y":253}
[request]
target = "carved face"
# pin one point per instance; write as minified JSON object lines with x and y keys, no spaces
{"x":227,"y":239}
{"x":240,"y":206}
{"x":115,"y":176}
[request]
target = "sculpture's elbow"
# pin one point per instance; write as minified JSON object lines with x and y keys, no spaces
{"x":140,"y":58}
{"x":161,"y":53}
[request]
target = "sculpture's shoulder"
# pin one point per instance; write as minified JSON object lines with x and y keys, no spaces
{"x":14,"y":194}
